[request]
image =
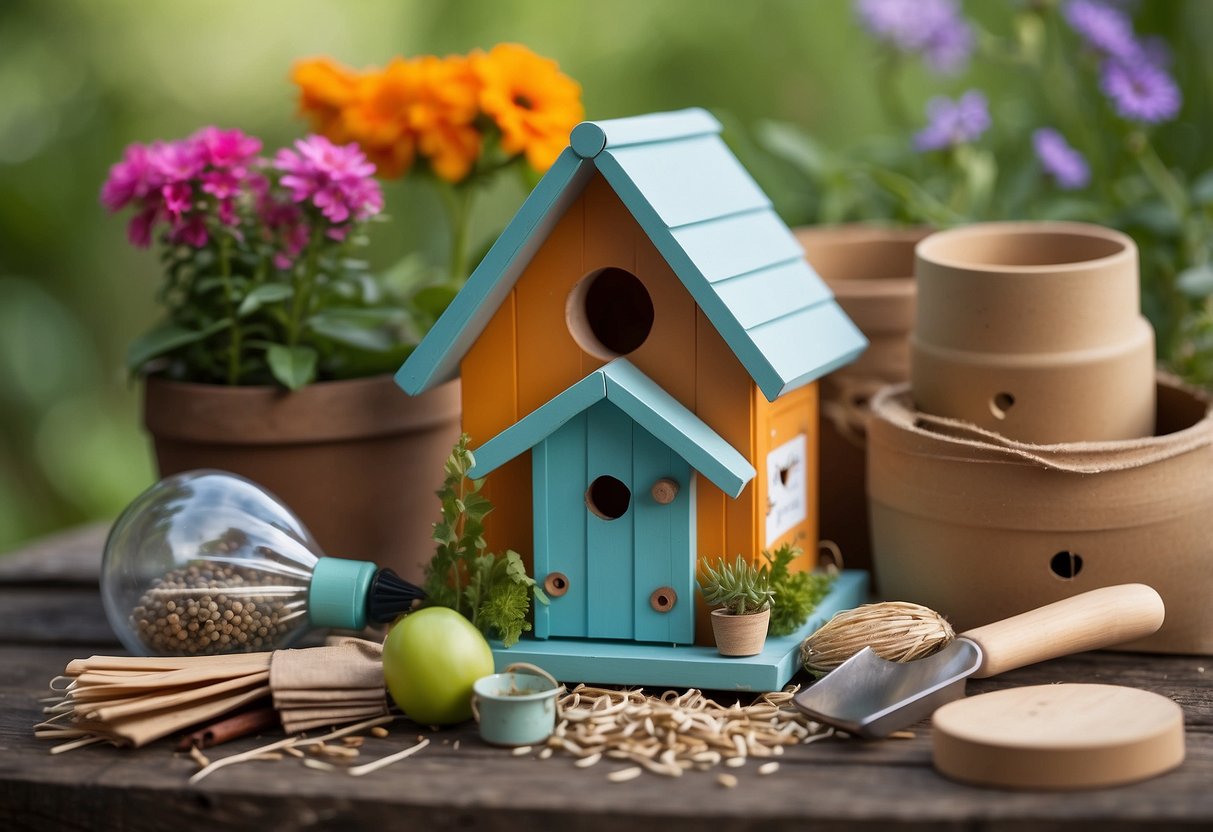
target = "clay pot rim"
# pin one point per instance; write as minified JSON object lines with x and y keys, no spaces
{"x":854,"y":234}
{"x":246,"y":390}
{"x":324,"y":411}
{"x":927,"y":250}
{"x":893,"y":404}
{"x":862,"y":232}
{"x":885,"y":288}
{"x":721,"y":612}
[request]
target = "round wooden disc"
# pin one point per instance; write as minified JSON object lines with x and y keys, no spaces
{"x":1058,"y":737}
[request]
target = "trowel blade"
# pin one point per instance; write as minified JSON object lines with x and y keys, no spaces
{"x":871,"y":697}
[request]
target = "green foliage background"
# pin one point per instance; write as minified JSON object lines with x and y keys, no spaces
{"x":80,"y":79}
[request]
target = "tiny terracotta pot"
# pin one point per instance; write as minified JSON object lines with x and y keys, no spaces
{"x":870,"y":269}
{"x":1034,"y":330}
{"x":740,"y":635}
{"x":980,"y":527}
{"x":358,"y":461}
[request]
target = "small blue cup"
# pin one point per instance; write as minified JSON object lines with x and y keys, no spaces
{"x":516,"y":708}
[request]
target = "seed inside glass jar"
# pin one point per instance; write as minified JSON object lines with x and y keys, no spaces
{"x":217,"y":608}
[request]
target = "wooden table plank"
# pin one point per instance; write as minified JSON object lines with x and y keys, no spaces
{"x":53,"y":616}
{"x":70,"y":557}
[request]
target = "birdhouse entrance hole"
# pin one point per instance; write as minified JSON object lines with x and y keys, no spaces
{"x":608,"y":497}
{"x":609,"y":313}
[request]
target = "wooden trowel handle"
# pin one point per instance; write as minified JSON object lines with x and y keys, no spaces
{"x":1099,"y":618}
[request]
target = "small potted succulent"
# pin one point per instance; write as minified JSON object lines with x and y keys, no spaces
{"x":742,"y":593}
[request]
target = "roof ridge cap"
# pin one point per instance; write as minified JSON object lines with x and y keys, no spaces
{"x":590,"y":138}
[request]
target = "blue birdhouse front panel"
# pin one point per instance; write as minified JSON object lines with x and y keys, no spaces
{"x":614,"y":532}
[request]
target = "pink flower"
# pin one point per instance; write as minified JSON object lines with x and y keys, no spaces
{"x":191,"y":232}
{"x":176,"y":161}
{"x":178,"y":196}
{"x":227,"y":213}
{"x":131,"y":179}
{"x":221,"y":184}
{"x":335,"y":179}
{"x":226,"y":148}
{"x":139,"y":231}
{"x":284,"y":228}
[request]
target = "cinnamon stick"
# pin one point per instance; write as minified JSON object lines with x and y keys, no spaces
{"x":230,"y":728}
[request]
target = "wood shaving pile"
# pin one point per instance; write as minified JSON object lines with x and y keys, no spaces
{"x":675,"y":733}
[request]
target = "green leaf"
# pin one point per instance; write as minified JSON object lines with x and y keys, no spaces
{"x":790,"y":144}
{"x":292,"y":366}
{"x":164,"y":339}
{"x":1197,"y":281}
{"x":1155,"y":216}
{"x":1202,"y":188}
{"x":376,"y":330}
{"x":432,"y":301}
{"x":263,"y":294}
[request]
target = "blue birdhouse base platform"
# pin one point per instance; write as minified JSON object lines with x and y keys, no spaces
{"x":613,"y":662}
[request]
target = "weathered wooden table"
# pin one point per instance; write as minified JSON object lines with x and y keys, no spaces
{"x":50,"y":612}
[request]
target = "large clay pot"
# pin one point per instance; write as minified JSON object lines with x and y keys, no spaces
{"x":979,"y":527}
{"x":359,"y":461}
{"x":870,"y":269}
{"x":1033,"y":330}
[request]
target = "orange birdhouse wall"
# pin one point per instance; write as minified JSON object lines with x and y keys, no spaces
{"x":586,"y":297}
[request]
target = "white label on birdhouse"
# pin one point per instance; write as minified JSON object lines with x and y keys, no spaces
{"x":787,"y":487}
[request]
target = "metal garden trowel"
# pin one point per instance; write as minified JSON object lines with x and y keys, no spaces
{"x":871,"y":697}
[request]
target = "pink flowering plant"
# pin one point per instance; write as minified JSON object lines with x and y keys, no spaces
{"x":1090,"y":122}
{"x":261,"y":282}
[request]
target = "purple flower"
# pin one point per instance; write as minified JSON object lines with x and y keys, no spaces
{"x":948,"y":50}
{"x":1141,"y":91}
{"x":1061,"y":161}
{"x":950,"y":123}
{"x":1156,"y":51}
{"x":934,"y":29}
{"x":1105,"y":28}
{"x":338,"y":180}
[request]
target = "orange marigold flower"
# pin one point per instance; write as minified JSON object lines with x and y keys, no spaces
{"x":533,"y":103}
{"x":444,"y":113}
{"x":325,"y":87}
{"x":377,"y":117}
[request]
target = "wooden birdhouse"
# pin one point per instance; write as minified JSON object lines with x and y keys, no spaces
{"x":638,"y":354}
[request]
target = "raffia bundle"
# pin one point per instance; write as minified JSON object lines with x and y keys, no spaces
{"x":895,"y":630}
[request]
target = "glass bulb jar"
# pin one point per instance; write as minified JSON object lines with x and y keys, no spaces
{"x":207,"y":562}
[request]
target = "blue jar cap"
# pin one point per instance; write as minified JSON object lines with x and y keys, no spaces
{"x":338,"y":594}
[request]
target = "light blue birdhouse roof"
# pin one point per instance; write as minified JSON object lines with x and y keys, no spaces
{"x":708,"y":219}
{"x":647,"y":404}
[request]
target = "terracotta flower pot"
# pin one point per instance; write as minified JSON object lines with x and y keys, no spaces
{"x":1034,"y":330}
{"x":979,"y":527}
{"x":740,"y":635}
{"x":358,"y":461}
{"x":870,"y":269}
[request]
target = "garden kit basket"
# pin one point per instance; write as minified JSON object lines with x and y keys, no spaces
{"x":981,"y":527}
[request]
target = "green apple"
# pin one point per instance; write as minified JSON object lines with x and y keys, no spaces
{"x":430,"y":660}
